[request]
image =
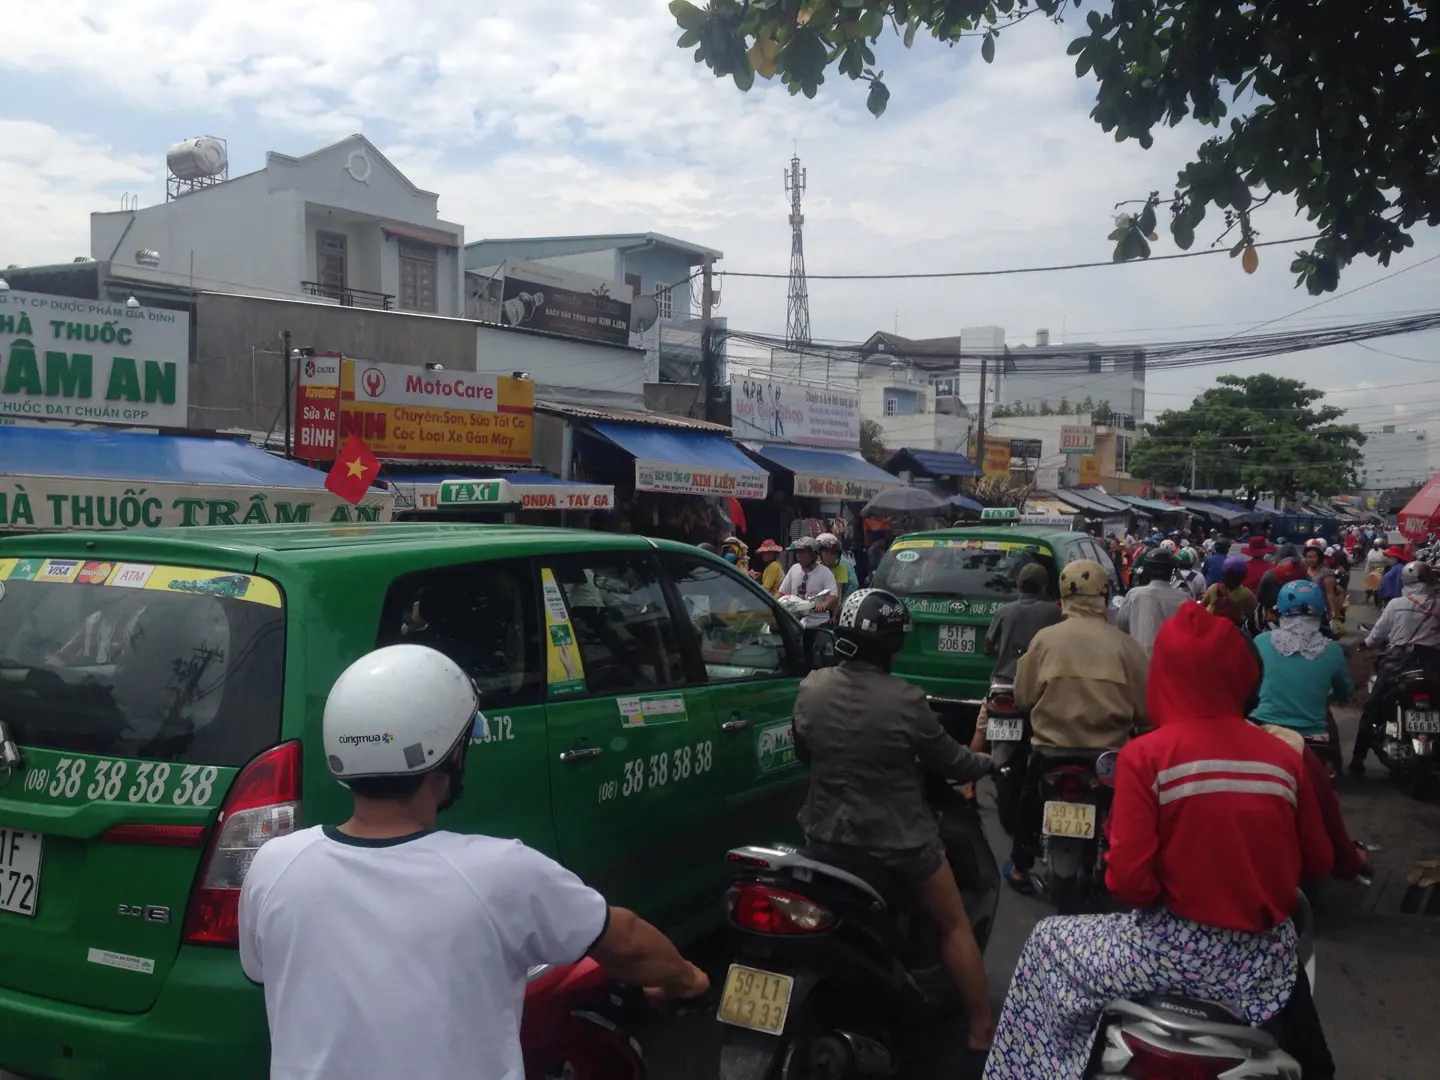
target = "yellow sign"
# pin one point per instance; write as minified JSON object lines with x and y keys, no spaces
{"x":410,"y":413}
{"x":125,"y":575}
{"x":997,"y":457}
{"x":564,"y":670}
{"x":1089,"y":470}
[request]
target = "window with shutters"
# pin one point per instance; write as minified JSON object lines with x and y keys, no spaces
{"x":417,"y":277}
{"x":664,"y":300}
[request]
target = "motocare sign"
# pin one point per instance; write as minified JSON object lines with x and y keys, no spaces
{"x":768,"y":410}
{"x":407,"y":413}
{"x":85,"y":360}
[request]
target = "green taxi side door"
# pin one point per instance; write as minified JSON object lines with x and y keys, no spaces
{"x":632,"y":737}
{"x":750,"y":653}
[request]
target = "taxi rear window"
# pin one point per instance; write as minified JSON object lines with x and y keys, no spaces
{"x":957,"y":568}
{"x":136,"y":660}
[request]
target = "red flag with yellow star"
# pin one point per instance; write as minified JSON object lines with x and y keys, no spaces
{"x":354,"y":471}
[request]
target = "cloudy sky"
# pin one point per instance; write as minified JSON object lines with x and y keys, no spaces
{"x":574,"y":116}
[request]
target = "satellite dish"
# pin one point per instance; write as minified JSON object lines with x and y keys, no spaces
{"x":644,"y":310}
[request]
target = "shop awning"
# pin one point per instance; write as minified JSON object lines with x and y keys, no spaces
{"x":931,"y":463}
{"x":1151,"y":506}
{"x":1095,"y":503}
{"x":964,"y":502}
{"x":535,"y":490}
{"x":77,"y":479}
{"x":1212,"y":510}
{"x":829,"y":474}
{"x":687,"y":462}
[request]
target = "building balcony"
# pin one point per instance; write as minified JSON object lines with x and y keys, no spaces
{"x":348,"y":297}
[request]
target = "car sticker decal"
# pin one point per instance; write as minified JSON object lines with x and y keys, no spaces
{"x":651,"y":710}
{"x":564,"y":670}
{"x":181,"y":579}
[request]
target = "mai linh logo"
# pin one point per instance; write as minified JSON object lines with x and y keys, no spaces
{"x":362,"y":740}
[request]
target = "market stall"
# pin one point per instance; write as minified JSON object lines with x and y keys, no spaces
{"x":54,"y":479}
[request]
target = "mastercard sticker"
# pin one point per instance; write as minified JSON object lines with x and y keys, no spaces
{"x":95,"y":573}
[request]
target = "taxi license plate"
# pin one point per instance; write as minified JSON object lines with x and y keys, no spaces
{"x":1420,"y":721}
{"x":755,"y":999}
{"x":1004,"y":728}
{"x":957,"y":639}
{"x":1073,"y":819}
{"x":19,"y":870}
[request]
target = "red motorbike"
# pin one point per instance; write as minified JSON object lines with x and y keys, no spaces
{"x":575,"y":1025}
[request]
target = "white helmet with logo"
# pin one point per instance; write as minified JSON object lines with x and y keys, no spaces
{"x":398,"y":711}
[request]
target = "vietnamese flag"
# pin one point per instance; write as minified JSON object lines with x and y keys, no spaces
{"x":354,"y":470}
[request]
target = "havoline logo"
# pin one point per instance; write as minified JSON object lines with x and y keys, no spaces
{"x":360,"y":740}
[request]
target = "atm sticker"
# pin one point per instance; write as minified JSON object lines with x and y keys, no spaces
{"x":651,"y":710}
{"x":129,"y":575}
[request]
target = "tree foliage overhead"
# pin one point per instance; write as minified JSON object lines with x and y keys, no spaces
{"x":1338,"y":100}
{"x":872,"y":442}
{"x":1253,"y":434}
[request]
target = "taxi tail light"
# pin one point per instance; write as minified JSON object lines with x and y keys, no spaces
{"x":182,"y":836}
{"x":1149,"y":1062}
{"x":263,"y":803}
{"x":767,"y":910}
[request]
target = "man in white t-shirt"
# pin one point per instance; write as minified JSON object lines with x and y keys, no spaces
{"x":809,"y":578}
{"x":389,"y":949}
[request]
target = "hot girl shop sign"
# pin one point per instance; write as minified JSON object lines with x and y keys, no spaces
{"x":46,"y":504}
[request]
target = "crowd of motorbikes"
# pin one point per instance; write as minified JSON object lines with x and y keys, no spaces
{"x":835,"y":969}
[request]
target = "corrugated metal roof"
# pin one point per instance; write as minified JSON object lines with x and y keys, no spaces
{"x":627,"y":416}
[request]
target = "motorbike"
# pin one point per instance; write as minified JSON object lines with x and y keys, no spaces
{"x":1405,"y":727}
{"x":836,"y":966}
{"x":575,"y":1025}
{"x":1008,"y":731}
{"x":1076,"y":789}
{"x":1173,"y":1037}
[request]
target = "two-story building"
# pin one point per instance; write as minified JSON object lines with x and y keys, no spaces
{"x":341,"y":225}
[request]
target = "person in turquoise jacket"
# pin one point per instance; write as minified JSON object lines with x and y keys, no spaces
{"x":1303,"y":668}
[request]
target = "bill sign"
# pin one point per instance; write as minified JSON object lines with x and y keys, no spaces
{"x":1077,"y":440}
{"x":408,"y":413}
{"x":45,"y":504}
{"x":772,"y":411}
{"x":85,"y":360}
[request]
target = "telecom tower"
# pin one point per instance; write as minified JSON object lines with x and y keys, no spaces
{"x":797,"y":319}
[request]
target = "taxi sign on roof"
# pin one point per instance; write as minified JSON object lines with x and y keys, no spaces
{"x":1000,"y":513}
{"x":469,"y":492}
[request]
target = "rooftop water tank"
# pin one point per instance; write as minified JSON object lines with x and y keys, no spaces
{"x":192,"y":159}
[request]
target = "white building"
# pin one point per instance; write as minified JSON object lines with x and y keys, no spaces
{"x":1395,"y":458}
{"x":341,"y":225}
{"x":1063,"y":376}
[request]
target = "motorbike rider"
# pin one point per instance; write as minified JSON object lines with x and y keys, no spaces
{"x":828,"y":545}
{"x":869,"y":738}
{"x":809,"y":579}
{"x":1084,"y":684}
{"x":1213,"y":828}
{"x":1324,"y":576}
{"x":772,"y":573}
{"x":388,"y":948}
{"x":1229,"y":597}
{"x":1409,"y":630}
{"x":1374,"y":569}
{"x":1187,"y":578}
{"x":1145,"y":608}
{"x":1012,"y":629}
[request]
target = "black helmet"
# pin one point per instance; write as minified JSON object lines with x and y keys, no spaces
{"x":708,"y":547}
{"x":872,"y":626}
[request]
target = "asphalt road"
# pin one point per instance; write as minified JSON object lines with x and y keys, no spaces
{"x":1378,"y":969}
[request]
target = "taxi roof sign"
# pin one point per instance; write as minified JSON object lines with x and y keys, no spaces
{"x":1000,"y":513}
{"x":473,"y":492}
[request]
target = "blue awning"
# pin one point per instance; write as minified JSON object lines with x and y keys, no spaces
{"x":830,"y":474}
{"x":964,"y":502}
{"x":931,"y":463}
{"x":686,"y":462}
{"x":128,"y":455}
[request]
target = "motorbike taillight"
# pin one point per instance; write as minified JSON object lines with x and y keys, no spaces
{"x":1149,"y":1062}
{"x":1001,"y":704}
{"x":767,"y":910}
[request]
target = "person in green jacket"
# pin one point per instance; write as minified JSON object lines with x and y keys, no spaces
{"x":1303,"y":668}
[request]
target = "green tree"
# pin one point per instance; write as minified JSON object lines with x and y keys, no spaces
{"x":1336,"y":103}
{"x":1254,"y":434}
{"x":872,"y":443}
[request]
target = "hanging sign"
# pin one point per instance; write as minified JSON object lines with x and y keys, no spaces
{"x":564,"y":670}
{"x":472,"y":492}
{"x":317,"y":408}
{"x":1089,"y":473}
{"x":772,"y":411}
{"x":1077,"y":440}
{"x":541,"y":496}
{"x":829,"y":487}
{"x":997,"y":457}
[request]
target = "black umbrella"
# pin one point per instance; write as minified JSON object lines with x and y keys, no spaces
{"x":904,"y":500}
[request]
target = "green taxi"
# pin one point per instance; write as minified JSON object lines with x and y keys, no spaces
{"x":954,"y":580}
{"x":160,"y":706}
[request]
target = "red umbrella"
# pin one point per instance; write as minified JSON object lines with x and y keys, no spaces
{"x":1420,"y":513}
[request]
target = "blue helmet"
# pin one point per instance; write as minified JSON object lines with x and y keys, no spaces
{"x":1300,"y":598}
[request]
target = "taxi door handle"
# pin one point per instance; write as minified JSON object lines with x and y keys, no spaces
{"x":570,"y":757}
{"x":735,"y":725}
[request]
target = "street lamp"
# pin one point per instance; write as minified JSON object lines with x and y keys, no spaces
{"x":132,"y":303}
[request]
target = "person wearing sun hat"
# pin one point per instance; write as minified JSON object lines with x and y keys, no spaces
{"x":773,"y":573}
{"x":1259,"y":551}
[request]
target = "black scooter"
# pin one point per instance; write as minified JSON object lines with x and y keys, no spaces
{"x":1008,"y":731}
{"x":835,"y":964}
{"x":1076,"y":790}
{"x":1405,"y":726}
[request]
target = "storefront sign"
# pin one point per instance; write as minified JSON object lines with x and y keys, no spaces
{"x":997,"y":457}
{"x":1047,"y":477}
{"x":68,"y":359}
{"x":682,"y":480}
{"x":469,"y":492}
{"x":1027,"y":449}
{"x":408,"y":413}
{"x":540,"y":297}
{"x":531,"y":496}
{"x":827,"y":487}
{"x":43,"y":503}
{"x":768,"y":410}
{"x":1089,"y":472}
{"x":1077,"y":440}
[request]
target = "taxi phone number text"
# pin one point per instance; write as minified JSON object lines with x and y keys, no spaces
{"x":194,"y":785}
{"x":657,"y":770}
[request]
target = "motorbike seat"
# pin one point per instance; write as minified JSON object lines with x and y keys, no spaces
{"x":898,"y":896}
{"x":1050,"y":756}
{"x":1182,"y":1007}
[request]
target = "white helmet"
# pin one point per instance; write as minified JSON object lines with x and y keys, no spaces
{"x":398,"y":711}
{"x":827,"y":541}
{"x":1167,"y":545}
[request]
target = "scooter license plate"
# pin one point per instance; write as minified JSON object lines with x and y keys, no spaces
{"x":1004,"y":728}
{"x":1422,"y":722}
{"x":755,"y":999}
{"x":1072,"y":819}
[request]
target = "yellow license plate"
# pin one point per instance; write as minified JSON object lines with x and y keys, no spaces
{"x":1073,"y":819}
{"x":757,"y":1000}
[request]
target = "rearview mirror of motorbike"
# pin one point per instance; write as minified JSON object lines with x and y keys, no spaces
{"x":1105,"y":768}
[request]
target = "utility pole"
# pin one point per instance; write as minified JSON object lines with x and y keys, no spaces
{"x":1192,"y":470}
{"x":289,"y":403}
{"x":707,"y":345}
{"x":980,"y":427}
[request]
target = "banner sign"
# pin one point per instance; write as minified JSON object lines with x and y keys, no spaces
{"x":768,"y":410}
{"x":829,"y":487}
{"x":68,"y":359}
{"x":541,"y":496}
{"x":1077,"y":440}
{"x":1025,"y":448}
{"x":46,"y":503}
{"x":997,"y":456}
{"x":1089,"y":475}
{"x":683,"y":480}
{"x":470,"y":492}
{"x":540,"y":297}
{"x":407,"y":413}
